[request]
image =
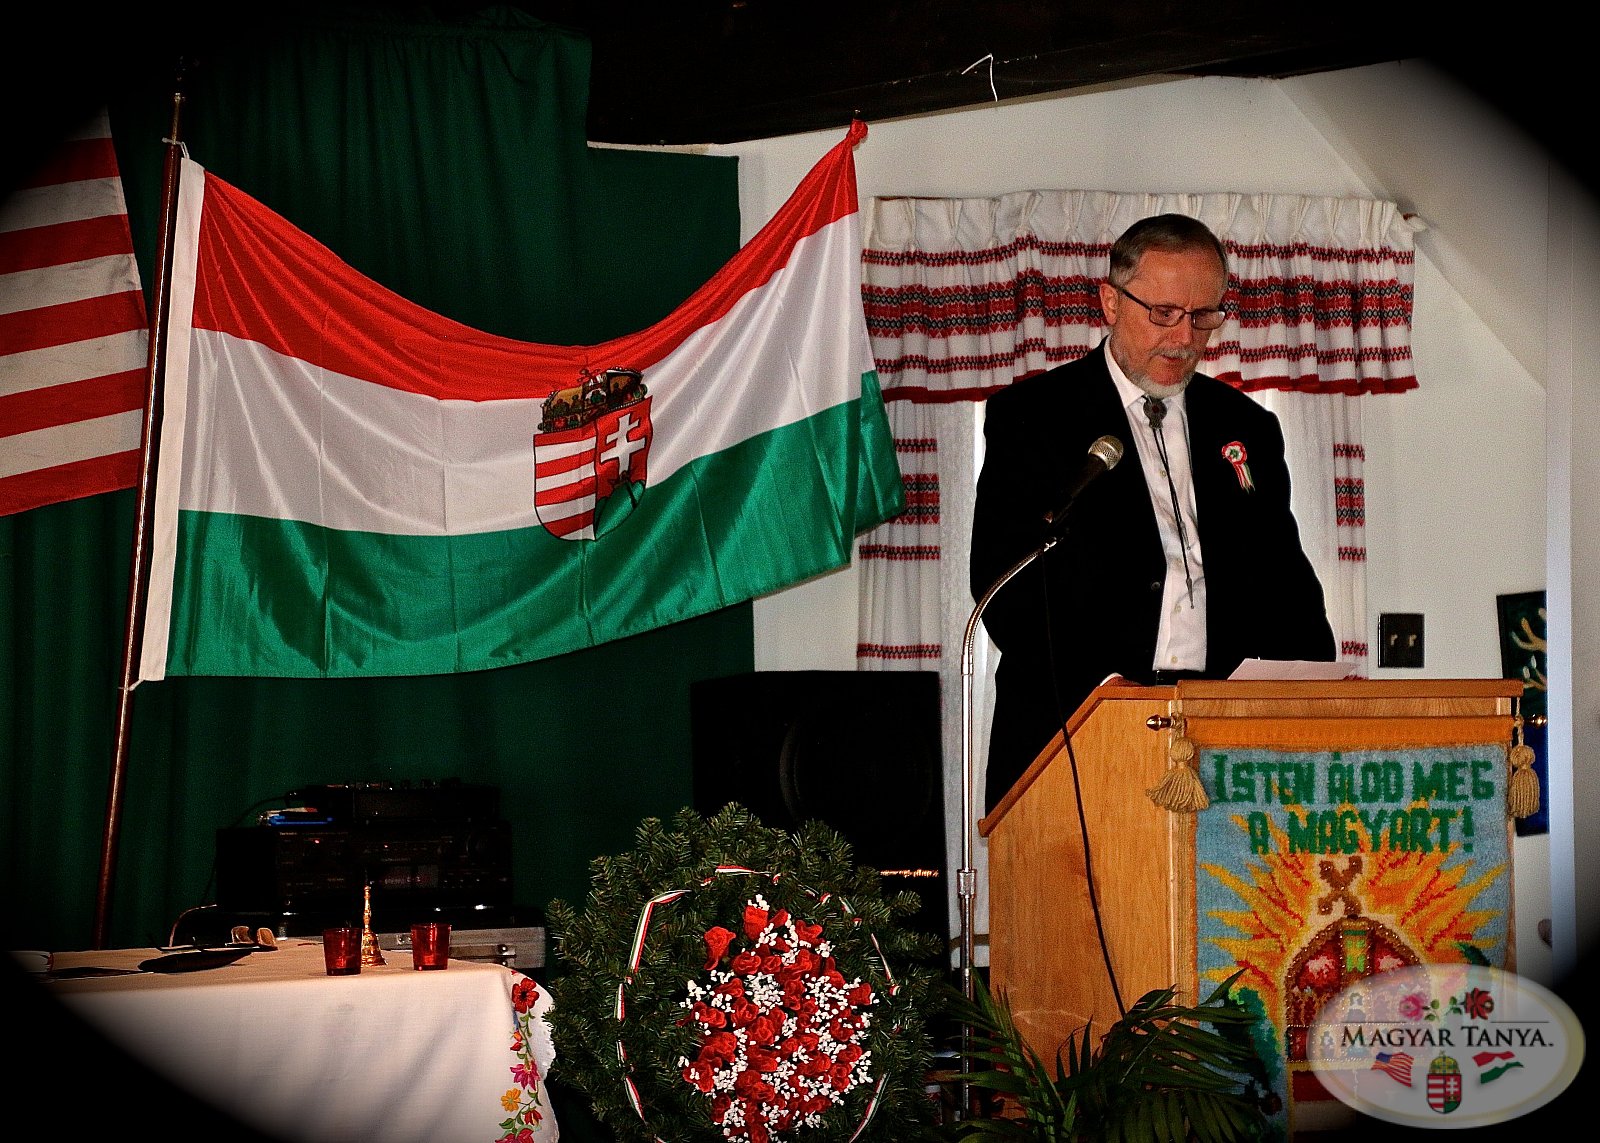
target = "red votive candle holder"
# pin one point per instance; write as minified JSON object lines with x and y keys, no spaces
{"x":341,"y":951}
{"x":430,"y":945}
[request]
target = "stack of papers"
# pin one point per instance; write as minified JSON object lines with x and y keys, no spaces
{"x":1293,"y":669}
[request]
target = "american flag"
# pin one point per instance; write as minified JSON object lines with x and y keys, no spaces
{"x":73,"y":331}
{"x":1396,"y":1064}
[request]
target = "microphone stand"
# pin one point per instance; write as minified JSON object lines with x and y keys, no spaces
{"x":967,"y":876}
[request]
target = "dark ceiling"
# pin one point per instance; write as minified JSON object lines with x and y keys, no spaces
{"x":726,"y":71}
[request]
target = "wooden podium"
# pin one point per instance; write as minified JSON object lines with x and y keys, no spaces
{"x":1045,"y":950}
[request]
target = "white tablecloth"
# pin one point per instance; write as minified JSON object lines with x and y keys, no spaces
{"x":391,"y":1054}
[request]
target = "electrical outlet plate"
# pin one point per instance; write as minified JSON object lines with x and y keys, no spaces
{"x":1399,"y":640}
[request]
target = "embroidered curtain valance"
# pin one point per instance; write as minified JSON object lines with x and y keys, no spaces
{"x":963,"y":296}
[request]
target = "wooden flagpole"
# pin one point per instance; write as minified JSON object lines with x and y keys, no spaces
{"x":155,"y":372}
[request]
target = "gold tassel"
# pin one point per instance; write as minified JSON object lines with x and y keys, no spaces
{"x":1181,"y":790}
{"x":1522,"y":791}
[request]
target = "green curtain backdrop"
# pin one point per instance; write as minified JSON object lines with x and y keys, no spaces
{"x":445,"y":158}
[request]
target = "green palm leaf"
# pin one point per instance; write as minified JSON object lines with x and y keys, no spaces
{"x":1163,"y":1073}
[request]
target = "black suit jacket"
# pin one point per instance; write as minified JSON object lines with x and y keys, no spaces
{"x":1090,"y":606}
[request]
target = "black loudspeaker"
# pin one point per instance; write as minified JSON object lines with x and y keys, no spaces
{"x":307,"y":877}
{"x":857,"y":750}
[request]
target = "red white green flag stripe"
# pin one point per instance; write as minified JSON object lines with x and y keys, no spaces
{"x":352,"y":485}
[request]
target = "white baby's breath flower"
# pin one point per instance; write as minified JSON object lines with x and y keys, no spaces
{"x":763,"y":991}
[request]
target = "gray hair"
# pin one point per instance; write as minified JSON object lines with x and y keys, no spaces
{"x":1174,"y":233}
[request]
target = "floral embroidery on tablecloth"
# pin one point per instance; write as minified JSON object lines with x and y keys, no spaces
{"x":522,"y":1101}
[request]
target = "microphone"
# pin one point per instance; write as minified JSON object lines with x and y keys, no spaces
{"x":1103,"y":457}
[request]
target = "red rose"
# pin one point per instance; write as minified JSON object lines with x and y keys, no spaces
{"x":850,"y":1053}
{"x":709,"y":1016}
{"x":761,"y":1059}
{"x":754,"y":921}
{"x":717,"y":941}
{"x":746,"y":963}
{"x":750,"y":1085}
{"x":764,"y":1029}
{"x":861,"y":994}
{"x":719,"y":1048}
{"x":808,"y":933}
{"x":699,"y":1076}
{"x":1477,"y":1003}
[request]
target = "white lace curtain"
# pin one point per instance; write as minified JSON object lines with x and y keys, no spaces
{"x":965,"y":296}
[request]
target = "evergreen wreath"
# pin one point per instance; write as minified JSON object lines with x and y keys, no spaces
{"x":732,"y":983}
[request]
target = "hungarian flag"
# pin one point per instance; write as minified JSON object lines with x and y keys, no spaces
{"x":1502,"y":1061}
{"x":351,"y":485}
{"x":73,"y":332}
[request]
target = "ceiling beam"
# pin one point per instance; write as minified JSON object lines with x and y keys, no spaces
{"x":743,"y":69}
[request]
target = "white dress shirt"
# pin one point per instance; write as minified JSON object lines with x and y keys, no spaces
{"x":1181,"y":638}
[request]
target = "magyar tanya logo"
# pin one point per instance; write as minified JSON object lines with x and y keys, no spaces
{"x":1445,"y":1045}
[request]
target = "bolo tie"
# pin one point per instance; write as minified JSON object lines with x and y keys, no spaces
{"x":1155,"y":411}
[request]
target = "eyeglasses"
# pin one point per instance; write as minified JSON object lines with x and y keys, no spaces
{"x":1172,"y":315}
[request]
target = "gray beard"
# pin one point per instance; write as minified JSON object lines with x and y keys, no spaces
{"x":1156,"y":390}
{"x":1147,"y":385}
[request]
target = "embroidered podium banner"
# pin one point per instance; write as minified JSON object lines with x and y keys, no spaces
{"x":1316,"y":869}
